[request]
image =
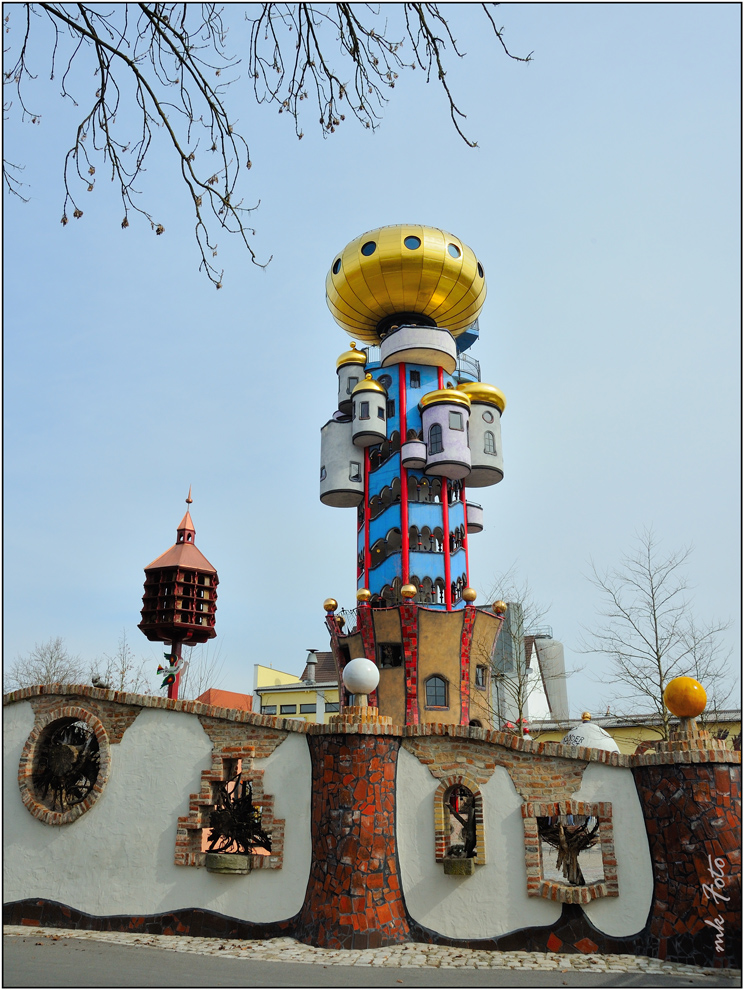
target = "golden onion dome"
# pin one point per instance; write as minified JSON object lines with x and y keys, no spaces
{"x":450,"y":395}
{"x":368,"y":384}
{"x":405,"y":269}
{"x":351,"y":357}
{"x":480,"y":392}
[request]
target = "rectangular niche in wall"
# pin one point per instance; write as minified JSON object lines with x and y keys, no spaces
{"x":570,"y":851}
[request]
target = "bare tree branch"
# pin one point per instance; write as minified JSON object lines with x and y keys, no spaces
{"x":161,"y":60}
{"x":649,"y":632}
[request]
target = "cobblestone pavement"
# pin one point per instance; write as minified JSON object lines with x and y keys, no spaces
{"x":287,"y":950}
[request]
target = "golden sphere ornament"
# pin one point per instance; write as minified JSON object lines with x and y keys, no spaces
{"x":363,"y":595}
{"x":330,"y":604}
{"x":499,"y":608}
{"x":685,"y":697}
{"x":409,"y":591}
{"x":469,"y":594}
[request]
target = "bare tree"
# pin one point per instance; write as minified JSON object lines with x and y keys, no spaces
{"x":48,"y":663}
{"x":203,"y":670}
{"x":514,"y":678}
{"x":164,"y":69}
{"x":649,"y":630}
{"x":122,"y":671}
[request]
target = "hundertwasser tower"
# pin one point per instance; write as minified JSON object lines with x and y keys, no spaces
{"x":415,"y":430}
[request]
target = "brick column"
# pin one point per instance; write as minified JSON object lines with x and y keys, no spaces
{"x":353,"y":899}
{"x":692,"y":812}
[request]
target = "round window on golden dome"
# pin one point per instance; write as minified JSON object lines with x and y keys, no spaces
{"x":412,"y":242}
{"x":336,"y":266}
{"x":454,"y":250}
{"x":369,"y":248}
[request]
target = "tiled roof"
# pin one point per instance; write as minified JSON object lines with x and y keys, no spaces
{"x":182,"y":555}
{"x":226,"y":699}
{"x":325,"y":669}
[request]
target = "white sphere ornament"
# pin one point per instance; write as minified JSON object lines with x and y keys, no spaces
{"x":361,"y":676}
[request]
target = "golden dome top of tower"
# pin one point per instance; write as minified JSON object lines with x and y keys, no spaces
{"x":351,"y":357}
{"x":407,"y":270}
{"x":369,"y":384}
{"x":448,"y":395}
{"x":480,"y":392}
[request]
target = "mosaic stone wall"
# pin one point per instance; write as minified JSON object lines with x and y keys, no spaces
{"x":353,"y":899}
{"x":693,"y":821}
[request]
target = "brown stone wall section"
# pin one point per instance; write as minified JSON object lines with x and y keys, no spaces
{"x":692,"y":812}
{"x":354,"y":898}
{"x":115,"y":717}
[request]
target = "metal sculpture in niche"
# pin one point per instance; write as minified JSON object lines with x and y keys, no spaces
{"x":235,"y":822}
{"x":570,"y":835}
{"x":460,"y":803}
{"x":67,"y":765}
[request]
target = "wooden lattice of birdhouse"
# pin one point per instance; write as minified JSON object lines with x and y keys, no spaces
{"x":180,"y":599}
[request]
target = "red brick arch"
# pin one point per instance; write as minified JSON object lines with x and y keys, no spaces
{"x":441,"y":820}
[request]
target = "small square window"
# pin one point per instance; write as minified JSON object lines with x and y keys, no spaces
{"x":480,"y":676}
{"x":364,"y":410}
{"x":455,"y":420}
{"x":352,"y":383}
{"x":414,"y":379}
{"x":322,"y":472}
{"x":380,"y":412}
{"x":390,"y":408}
{"x":355,"y":471}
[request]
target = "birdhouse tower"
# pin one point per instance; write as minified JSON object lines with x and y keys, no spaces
{"x":180,"y":598}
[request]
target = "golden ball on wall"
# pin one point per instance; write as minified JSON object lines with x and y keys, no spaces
{"x":469,"y":594}
{"x":499,"y":608}
{"x":409,"y":591}
{"x":586,"y":716}
{"x":363,"y":595}
{"x":685,"y":697}
{"x":330,"y":604}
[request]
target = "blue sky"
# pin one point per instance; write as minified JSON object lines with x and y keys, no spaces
{"x":603,"y":201}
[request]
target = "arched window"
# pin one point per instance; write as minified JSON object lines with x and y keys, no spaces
{"x":489,"y":443}
{"x":435,"y":439}
{"x":436,"y":692}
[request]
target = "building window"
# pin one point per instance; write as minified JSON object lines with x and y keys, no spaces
{"x":385,"y":380}
{"x":380,"y":412}
{"x":288,"y":709}
{"x":364,"y":410}
{"x":350,"y":386}
{"x":435,"y":439}
{"x":436,"y":692}
{"x":389,"y":654}
{"x":414,"y":379}
{"x":268,"y":709}
{"x":489,"y":443}
{"x":322,"y":472}
{"x":390,"y":408}
{"x":488,"y":416}
{"x":455,"y":420}
{"x":355,"y":471}
{"x":480,"y":676}
{"x":308,"y":709}
{"x":331,"y":706}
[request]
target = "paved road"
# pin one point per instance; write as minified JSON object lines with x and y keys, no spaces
{"x":45,"y":961}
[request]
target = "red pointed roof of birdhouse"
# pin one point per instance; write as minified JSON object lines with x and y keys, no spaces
{"x":183,"y":553}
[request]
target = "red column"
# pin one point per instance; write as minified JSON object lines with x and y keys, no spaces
{"x":173,"y":688}
{"x":366,"y":518}
{"x":445,"y":528}
{"x":404,"y":544}
{"x":464,"y":498}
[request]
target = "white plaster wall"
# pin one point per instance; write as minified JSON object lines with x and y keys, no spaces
{"x":118,"y":857}
{"x":627,"y":913}
{"x":494,"y":900}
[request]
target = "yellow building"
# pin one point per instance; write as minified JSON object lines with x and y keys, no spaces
{"x":631,"y":733}
{"x":313,"y":697}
